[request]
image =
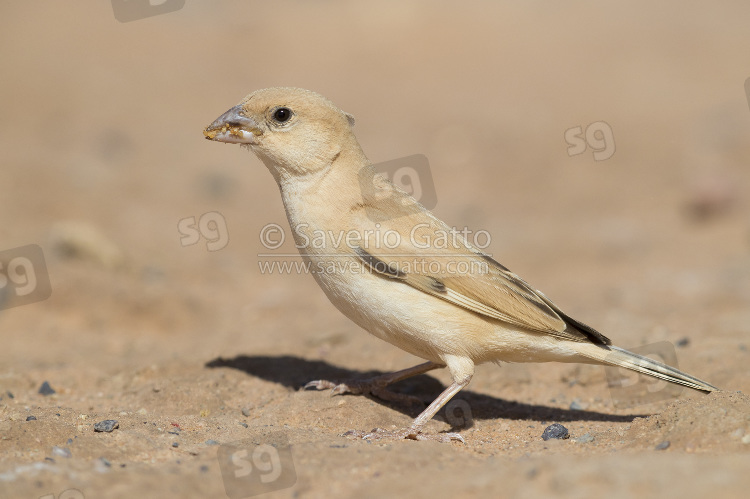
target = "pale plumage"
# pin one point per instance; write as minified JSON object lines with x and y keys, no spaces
{"x":451,"y":305}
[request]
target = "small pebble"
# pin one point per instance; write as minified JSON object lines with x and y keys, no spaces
{"x":175,"y":444}
{"x":10,"y":395}
{"x":555,"y":430}
{"x":746,"y":439}
{"x":246,"y":411}
{"x":107,"y":425}
{"x":576,"y":406}
{"x":212,"y":442}
{"x":101,"y":465}
{"x":31,"y":418}
{"x":243,"y":424}
{"x":662,"y":446}
{"x":45,"y":389}
{"x":584,"y":439}
{"x":204,"y":468}
{"x":61,"y":452}
{"x":682,"y":342}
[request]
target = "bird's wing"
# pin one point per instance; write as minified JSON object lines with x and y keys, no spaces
{"x":455,"y":271}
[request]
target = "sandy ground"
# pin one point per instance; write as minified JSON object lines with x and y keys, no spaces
{"x":200,"y":356}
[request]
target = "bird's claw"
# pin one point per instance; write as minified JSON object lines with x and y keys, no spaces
{"x":336,"y":388}
{"x":363,"y":387}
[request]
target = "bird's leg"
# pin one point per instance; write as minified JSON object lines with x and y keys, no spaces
{"x":414,"y":431}
{"x":376,"y":386}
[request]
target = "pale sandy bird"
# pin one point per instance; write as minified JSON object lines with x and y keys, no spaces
{"x":397,"y":271}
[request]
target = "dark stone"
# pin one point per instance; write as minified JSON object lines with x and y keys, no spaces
{"x":45,"y":389}
{"x":555,"y":430}
{"x":106,"y":426}
{"x":682,"y":342}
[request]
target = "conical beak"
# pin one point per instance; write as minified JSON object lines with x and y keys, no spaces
{"x":233,"y":127}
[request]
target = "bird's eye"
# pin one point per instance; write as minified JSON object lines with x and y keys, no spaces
{"x":282,"y":114}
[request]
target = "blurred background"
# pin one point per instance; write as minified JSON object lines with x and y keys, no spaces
{"x":603,"y":146}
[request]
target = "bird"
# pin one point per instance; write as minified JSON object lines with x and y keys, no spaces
{"x":396,"y":270}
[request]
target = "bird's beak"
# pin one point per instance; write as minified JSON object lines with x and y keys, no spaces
{"x":234,"y":127}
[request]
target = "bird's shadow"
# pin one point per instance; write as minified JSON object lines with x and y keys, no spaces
{"x":294,"y":372}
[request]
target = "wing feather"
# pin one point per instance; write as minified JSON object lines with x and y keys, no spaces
{"x":457,"y":273}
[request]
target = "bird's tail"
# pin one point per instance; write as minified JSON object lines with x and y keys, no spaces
{"x":620,"y":357}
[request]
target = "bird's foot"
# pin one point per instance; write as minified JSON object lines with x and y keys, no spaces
{"x":379,"y":434}
{"x":372,"y":386}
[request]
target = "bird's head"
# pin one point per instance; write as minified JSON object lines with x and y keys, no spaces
{"x":294,"y":131}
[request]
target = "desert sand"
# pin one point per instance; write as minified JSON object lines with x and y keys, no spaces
{"x":603,"y":149}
